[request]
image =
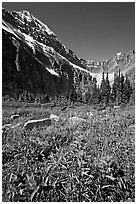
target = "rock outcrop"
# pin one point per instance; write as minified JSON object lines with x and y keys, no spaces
{"x":37,"y":123}
{"x":33,"y":59}
{"x":15,"y":116}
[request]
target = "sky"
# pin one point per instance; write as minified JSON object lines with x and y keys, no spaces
{"x":93,"y":30}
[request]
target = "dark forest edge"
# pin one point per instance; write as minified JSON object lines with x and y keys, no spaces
{"x":120,"y":93}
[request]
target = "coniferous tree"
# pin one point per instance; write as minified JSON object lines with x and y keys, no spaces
{"x":116,"y":94}
{"x":114,"y":90}
{"x":87,"y":96}
{"x":95,"y":93}
{"x":91,"y":95}
{"x":67,"y":95}
{"x":119,"y":96}
{"x":127,"y":90}
{"x":103,"y":89}
{"x":108,"y":90}
{"x":122,"y":88}
{"x":99,"y":94}
{"x":132,"y":96}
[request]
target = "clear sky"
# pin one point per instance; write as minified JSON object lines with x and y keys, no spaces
{"x":93,"y":30}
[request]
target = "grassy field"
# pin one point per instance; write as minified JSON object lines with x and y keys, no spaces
{"x":90,"y":160}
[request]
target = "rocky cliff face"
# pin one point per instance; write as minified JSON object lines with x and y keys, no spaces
{"x":34,"y":59}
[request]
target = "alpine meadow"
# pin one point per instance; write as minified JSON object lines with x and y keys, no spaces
{"x":68,"y":123}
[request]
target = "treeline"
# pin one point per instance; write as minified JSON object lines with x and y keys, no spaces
{"x":87,"y":91}
{"x":26,"y":96}
{"x":118,"y":93}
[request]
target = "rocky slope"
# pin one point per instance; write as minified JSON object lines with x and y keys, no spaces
{"x":34,"y":59}
{"x":123,"y":61}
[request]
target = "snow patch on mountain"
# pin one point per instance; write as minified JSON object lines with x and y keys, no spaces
{"x":118,"y":54}
{"x":7,"y":28}
{"x":53,"y":72}
{"x":97,"y":75}
{"x":46,"y":48}
{"x":66,"y":49}
{"x":30,"y":41}
{"x":17,"y":45}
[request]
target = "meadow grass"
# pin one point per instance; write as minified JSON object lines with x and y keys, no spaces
{"x":91,"y":161}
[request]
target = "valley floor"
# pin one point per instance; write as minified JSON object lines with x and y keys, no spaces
{"x":88,"y":155}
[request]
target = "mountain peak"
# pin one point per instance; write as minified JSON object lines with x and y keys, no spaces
{"x":118,"y":53}
{"x":24,"y":14}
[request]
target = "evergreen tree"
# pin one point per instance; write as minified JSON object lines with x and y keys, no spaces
{"x":127,"y":90}
{"x":91,"y":92}
{"x":108,"y":90}
{"x":116,"y":89}
{"x":122,"y":88}
{"x":103,"y":89}
{"x":68,"y":95}
{"x":118,"y":94}
{"x":87,"y":96}
{"x":95,"y":93}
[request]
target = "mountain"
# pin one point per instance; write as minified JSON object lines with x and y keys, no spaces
{"x":125,"y":62}
{"x":34,"y":59}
